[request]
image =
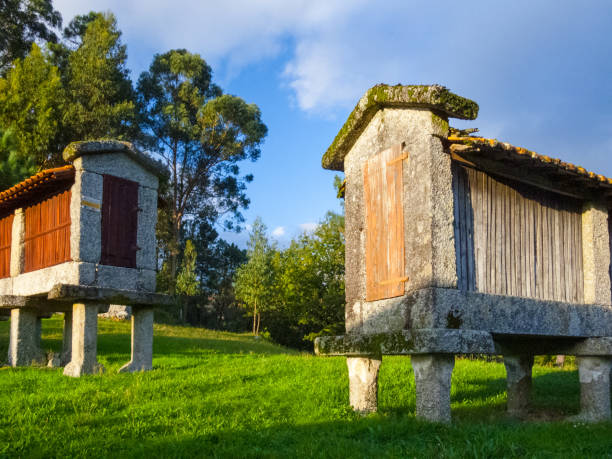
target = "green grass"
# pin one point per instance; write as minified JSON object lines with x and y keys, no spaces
{"x":216,"y":394}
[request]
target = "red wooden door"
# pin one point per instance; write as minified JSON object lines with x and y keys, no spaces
{"x":119,"y":222}
{"x":383,"y":188}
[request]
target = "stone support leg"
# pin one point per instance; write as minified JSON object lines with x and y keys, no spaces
{"x":594,"y":374}
{"x":84,"y":341}
{"x":67,"y":339}
{"x":24,"y":341}
{"x":518,"y":380}
{"x":363,"y":383}
{"x":142,"y":341}
{"x":432,"y":375}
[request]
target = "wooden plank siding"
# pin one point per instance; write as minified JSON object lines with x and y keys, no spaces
{"x":385,"y":254}
{"x":6,"y":236}
{"x":47,"y":232}
{"x":514,"y":239}
{"x":119,"y":222}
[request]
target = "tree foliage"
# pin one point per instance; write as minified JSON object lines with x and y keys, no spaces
{"x":186,"y":281}
{"x":22,"y":23}
{"x":101,"y":97}
{"x":299,"y":290}
{"x":201,"y":135}
{"x":309,"y":293}
{"x":255,"y":279}
{"x":32,"y":101}
{"x":14,"y":167}
{"x":49,"y":99}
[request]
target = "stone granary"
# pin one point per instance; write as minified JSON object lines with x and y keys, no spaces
{"x":74,"y":239}
{"x":457,"y":244}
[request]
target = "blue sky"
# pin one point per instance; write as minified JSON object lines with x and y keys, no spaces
{"x":541,"y":72}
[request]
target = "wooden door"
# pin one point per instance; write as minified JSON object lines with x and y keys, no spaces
{"x":385,"y":257}
{"x":119,"y":222}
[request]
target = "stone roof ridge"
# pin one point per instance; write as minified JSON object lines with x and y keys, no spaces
{"x":92,"y":147}
{"x":436,"y":97}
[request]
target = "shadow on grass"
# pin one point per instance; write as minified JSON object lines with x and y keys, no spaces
{"x":375,"y":436}
{"x":113,"y":342}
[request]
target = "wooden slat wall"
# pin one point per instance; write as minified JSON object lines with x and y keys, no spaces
{"x":6,"y":236}
{"x":47,"y":232}
{"x":385,"y":264}
{"x":119,"y":222}
{"x":514,"y":239}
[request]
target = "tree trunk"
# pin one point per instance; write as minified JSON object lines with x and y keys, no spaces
{"x":255,"y":319}
{"x":258,"y":322}
{"x":174,"y":244}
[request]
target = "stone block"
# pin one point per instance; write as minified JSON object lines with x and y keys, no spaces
{"x":66,"y":355}
{"x":118,"y":165}
{"x":6,"y":286}
{"x":84,"y":341}
{"x":363,"y":383}
{"x":146,"y":257}
{"x":43,"y":280}
{"x":142,"y":341}
{"x":18,"y":243}
{"x":86,"y":217}
{"x":118,"y":312}
{"x":518,"y":381}
{"x":596,"y":253}
{"x":594,"y":375}
{"x":432,"y":375}
{"x":24,"y":340}
{"x":504,"y":315}
{"x":125,"y":278}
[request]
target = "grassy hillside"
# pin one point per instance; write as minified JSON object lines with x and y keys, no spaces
{"x":226,"y":395}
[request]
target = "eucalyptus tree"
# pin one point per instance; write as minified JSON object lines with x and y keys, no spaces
{"x":22,"y":23}
{"x":201,"y":134}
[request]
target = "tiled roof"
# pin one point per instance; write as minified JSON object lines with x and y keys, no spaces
{"x":33,"y":186}
{"x":530,"y":163}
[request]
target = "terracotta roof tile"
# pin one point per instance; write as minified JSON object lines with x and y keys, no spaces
{"x":489,"y":147}
{"x":33,"y":185}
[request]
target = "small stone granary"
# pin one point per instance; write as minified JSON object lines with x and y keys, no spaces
{"x":457,"y":244}
{"x":75,"y":239}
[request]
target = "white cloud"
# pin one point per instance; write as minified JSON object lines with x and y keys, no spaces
{"x":279,"y":231}
{"x":530,"y":62}
{"x":237,"y":31}
{"x":309,"y":226}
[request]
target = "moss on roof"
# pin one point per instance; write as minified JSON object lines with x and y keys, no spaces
{"x":380,"y":96}
{"x":95,"y":147}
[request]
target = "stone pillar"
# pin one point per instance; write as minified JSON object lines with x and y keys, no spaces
{"x":67,"y":339}
{"x":84,"y":341}
{"x":18,"y":243}
{"x":24,"y":341}
{"x":518,"y":380}
{"x":363,"y":383}
{"x":432,"y":375}
{"x":594,"y":374}
{"x":596,"y":253}
{"x":142,"y":341}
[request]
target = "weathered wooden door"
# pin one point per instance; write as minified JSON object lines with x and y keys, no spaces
{"x":119,"y":222}
{"x":385,"y":257}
